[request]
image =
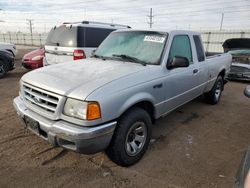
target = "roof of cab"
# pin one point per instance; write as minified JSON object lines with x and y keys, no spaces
{"x":182,"y":32}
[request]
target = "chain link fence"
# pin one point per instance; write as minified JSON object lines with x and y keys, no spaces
{"x":36,"y":39}
{"x":212,"y":40}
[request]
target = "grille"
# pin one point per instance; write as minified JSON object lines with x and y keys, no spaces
{"x":41,"y":99}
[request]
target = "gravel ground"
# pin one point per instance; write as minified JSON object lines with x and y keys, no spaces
{"x":198,"y":145}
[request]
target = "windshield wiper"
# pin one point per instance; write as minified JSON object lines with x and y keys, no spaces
{"x":130,"y":58}
{"x":99,"y":56}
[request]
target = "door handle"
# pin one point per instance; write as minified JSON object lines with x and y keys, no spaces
{"x":195,"y":71}
{"x":157,"y":86}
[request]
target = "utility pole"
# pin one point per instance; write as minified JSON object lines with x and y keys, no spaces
{"x":221,"y":22}
{"x":31,"y":30}
{"x":150,"y":18}
{"x":30,"y":26}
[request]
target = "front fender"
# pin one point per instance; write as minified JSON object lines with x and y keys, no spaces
{"x":135,"y":99}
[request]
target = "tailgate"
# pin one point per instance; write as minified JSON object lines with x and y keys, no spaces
{"x":56,"y":55}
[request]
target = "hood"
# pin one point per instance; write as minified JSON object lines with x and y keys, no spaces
{"x":241,"y":65}
{"x":78,"y":79}
{"x":236,"y":43}
{"x":34,"y":53}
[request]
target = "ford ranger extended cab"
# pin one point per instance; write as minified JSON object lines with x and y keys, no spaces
{"x":110,"y":101}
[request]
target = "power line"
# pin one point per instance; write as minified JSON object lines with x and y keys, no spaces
{"x":204,"y":10}
{"x":176,"y":17}
{"x":139,"y":17}
{"x":171,"y":13}
{"x":167,"y":3}
{"x":102,"y":8}
{"x":189,"y":13}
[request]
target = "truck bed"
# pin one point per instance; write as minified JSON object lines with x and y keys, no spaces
{"x":212,"y":54}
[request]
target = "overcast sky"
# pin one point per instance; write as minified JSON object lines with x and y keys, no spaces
{"x":168,"y":14}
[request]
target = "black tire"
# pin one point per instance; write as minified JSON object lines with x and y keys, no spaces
{"x":120,"y":150}
{"x":213,"y":96}
{"x":3,"y":68}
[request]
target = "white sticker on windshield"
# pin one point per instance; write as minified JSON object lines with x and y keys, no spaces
{"x":151,"y":38}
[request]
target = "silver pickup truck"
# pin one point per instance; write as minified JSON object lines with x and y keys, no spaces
{"x":110,"y":101}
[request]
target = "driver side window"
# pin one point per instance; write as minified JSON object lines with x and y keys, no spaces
{"x":181,"y":47}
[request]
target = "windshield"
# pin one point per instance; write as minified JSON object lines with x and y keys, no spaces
{"x":143,"y":47}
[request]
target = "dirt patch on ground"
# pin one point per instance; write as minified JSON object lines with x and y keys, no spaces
{"x":198,"y":145}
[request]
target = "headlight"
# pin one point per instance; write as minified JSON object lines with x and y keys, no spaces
{"x":82,"y":110}
{"x":37,"y":58}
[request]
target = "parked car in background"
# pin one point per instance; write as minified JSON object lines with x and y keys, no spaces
{"x":109,"y":102}
{"x":6,"y":62}
{"x":247,"y":91}
{"x":9,"y":47}
{"x":33,"y":59}
{"x":242,"y":179}
{"x":239,"y":72}
{"x":239,"y":48}
{"x":76,"y":40}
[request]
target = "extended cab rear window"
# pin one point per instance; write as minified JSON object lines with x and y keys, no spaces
{"x":199,"y":48}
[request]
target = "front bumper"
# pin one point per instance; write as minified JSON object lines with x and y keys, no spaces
{"x":31,"y":65}
{"x":85,"y":140}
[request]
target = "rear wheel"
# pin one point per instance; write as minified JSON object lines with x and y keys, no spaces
{"x":131,"y":138}
{"x":3,"y":69}
{"x":213,"y":96}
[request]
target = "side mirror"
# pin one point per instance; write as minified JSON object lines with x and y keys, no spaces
{"x":177,"y":61}
{"x":247,"y":91}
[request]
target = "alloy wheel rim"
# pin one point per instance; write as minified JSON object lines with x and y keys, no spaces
{"x":136,"y":138}
{"x":218,"y":91}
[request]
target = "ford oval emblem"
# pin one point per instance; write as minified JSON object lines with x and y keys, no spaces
{"x":37,"y":100}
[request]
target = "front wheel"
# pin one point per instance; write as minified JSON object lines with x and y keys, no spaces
{"x":131,"y":138}
{"x":213,"y":96}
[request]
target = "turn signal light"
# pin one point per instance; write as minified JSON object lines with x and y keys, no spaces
{"x":93,"y":111}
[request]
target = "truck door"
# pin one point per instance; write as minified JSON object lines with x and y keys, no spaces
{"x":202,"y":75}
{"x":181,"y":83}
